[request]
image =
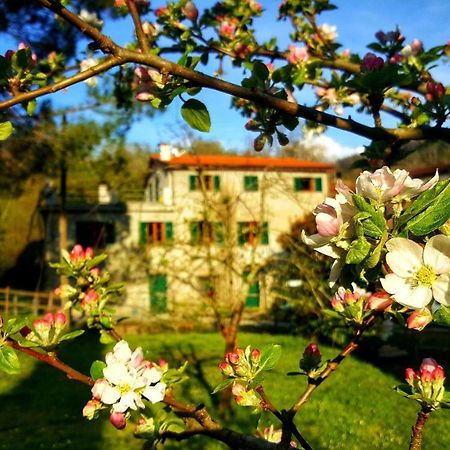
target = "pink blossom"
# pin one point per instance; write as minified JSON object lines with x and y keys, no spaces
{"x":90,"y":409}
{"x":396,"y":58}
{"x":255,"y":355}
{"x":312,"y":350}
{"x":161,"y":11}
{"x":371,"y":63}
{"x":77,"y":253}
{"x":416,"y":46}
{"x":431,"y":370}
{"x":120,"y":3}
{"x":410,"y":375}
{"x":435,"y":91}
{"x":297,"y":54}
{"x":419,"y":319}
{"x":227,"y":28}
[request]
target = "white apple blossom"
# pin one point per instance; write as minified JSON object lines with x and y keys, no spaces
{"x":86,"y":64}
{"x":383,"y":185}
{"x":419,"y":274}
{"x":128,"y":378}
{"x":328,"y":32}
{"x":91,"y":18}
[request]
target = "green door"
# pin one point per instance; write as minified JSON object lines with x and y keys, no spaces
{"x":158,"y":293}
{"x":252,"y":300}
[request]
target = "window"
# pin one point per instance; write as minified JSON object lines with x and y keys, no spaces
{"x":204,"y":182}
{"x":95,"y":234}
{"x":307,"y":184}
{"x":158,"y":293}
{"x":253,"y":296}
{"x":154,"y":232}
{"x":250,"y":183}
{"x":253,"y":233}
{"x":205,"y":232}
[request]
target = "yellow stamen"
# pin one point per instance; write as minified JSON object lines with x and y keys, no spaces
{"x":425,"y":276}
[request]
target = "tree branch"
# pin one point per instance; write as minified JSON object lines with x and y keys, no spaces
{"x":51,"y":360}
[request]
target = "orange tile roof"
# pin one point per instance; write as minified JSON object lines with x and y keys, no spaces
{"x":244,"y":162}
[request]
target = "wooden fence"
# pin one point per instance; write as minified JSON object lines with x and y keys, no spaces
{"x":15,"y":302}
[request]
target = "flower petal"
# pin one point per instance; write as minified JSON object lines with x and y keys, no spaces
{"x":116,"y":373}
{"x":437,"y":253}
{"x":404,"y":256}
{"x":441,"y":290}
{"x":110,"y":395}
{"x":404,"y":293}
{"x":155,"y":393}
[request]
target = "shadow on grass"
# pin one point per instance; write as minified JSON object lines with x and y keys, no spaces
{"x":44,"y":411}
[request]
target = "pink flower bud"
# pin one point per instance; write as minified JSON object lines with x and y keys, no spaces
{"x":312,"y":350}
{"x":161,"y":11}
{"x":428,"y":365}
{"x":296,"y":54}
{"x":251,"y":125}
{"x":396,"y":59}
{"x":337,"y":305}
{"x":233,"y":358}
{"x":410,"y":375}
{"x":237,"y":389}
{"x":77,"y":253}
{"x":9,"y":54}
{"x":99,"y":387}
{"x":419,"y":319}
{"x":60,"y":319}
{"x":190,"y":11}
{"x":163,"y":364}
{"x":41,"y":325}
{"x":49,"y":318}
{"x":120,"y":3}
{"x":381,"y":36}
{"x":89,"y":253}
{"x":91,"y":407}
{"x":435,"y":91}
{"x":118,"y":420}
{"x":379,"y":301}
{"x":255,"y":355}
{"x":95,"y":272}
{"x":371,"y":63}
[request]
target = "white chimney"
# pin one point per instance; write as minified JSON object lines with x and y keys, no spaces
{"x":104,"y":194}
{"x":165,"y":152}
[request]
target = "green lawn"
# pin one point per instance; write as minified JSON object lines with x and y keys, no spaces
{"x":355,"y":409}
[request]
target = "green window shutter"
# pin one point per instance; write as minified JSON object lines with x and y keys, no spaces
{"x":158,"y":293}
{"x":217,"y":183}
{"x":253,"y":296}
{"x":242,"y":238}
{"x":297,"y":184}
{"x":195,"y":232}
{"x":192,"y":182}
{"x":219,"y":232}
{"x":265,"y":234}
{"x":143,"y":233}
{"x":318,"y":184}
{"x":169,"y":231}
{"x":251,"y":183}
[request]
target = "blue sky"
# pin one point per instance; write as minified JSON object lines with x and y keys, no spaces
{"x":356,"y":21}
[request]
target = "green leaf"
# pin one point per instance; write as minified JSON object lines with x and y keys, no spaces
{"x":435,"y":215}
{"x":270,"y":356}
{"x":106,"y":338}
{"x":96,"y":369}
{"x":373,"y":225}
{"x":6,"y":130}
{"x":223,"y":385}
{"x":196,"y":115}
{"x":9,"y":362}
{"x":442,"y":316}
{"x":71,"y":335}
{"x":95,"y":261}
{"x":359,"y":249}
{"x":30,"y":107}
{"x":423,"y":201}
{"x":260,"y":70}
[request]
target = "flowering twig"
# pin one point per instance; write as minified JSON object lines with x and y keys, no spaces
{"x":332,"y":365}
{"x":52,"y":360}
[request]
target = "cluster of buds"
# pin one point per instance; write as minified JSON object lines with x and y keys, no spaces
{"x":354,"y":305}
{"x":78,"y":254}
{"x":241,"y":364}
{"x":427,"y":384}
{"x":392,"y":36}
{"x":127,"y":379}
{"x":46,"y":332}
{"x":371,"y":63}
{"x":149,"y":83}
{"x":22,"y":46}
